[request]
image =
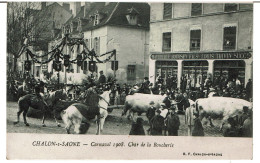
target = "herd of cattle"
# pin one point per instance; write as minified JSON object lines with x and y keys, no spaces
{"x":211,"y":108}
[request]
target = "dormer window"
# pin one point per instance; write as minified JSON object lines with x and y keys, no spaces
{"x":96,"y":19}
{"x":132,"y":15}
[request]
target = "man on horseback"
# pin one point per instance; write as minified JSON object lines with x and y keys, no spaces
{"x":91,"y":99}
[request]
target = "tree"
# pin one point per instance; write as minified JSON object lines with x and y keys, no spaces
{"x":28,"y":23}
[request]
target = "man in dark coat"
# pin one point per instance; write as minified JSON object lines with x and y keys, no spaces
{"x":137,"y":127}
{"x":198,"y":128}
{"x":157,"y":124}
{"x":167,"y":100}
{"x":102,"y":78}
{"x":249,"y":89}
{"x":145,"y":86}
{"x":150,"y":112}
{"x":172,"y":122}
{"x":231,"y":130}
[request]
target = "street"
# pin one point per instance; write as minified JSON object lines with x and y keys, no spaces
{"x":114,"y":124}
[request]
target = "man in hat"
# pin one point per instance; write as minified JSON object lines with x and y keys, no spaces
{"x":243,"y":116}
{"x":172,"y":122}
{"x":102,"y":78}
{"x":157,"y":124}
{"x":145,"y":86}
{"x":167,"y":100}
{"x":189,"y":119}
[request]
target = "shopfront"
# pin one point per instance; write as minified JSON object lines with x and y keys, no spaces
{"x":231,"y":69}
{"x":195,"y":72}
{"x":197,"y":66}
{"x":166,"y":68}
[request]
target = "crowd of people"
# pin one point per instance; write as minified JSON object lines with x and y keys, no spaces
{"x":163,"y":121}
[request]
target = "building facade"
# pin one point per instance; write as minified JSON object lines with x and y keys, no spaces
{"x":200,"y":40}
{"x":108,"y":26}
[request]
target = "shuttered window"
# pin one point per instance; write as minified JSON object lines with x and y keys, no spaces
{"x":167,"y":11}
{"x":97,"y":45}
{"x":229,"y":42}
{"x":166,"y":42}
{"x":131,"y":73}
{"x":245,"y":6}
{"x":196,"y":9}
{"x":230,"y":7}
{"x":195,"y":37}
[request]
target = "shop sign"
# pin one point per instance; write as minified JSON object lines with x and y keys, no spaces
{"x":216,"y":55}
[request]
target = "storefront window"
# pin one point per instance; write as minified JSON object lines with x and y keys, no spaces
{"x":195,"y":72}
{"x":229,"y":70}
{"x":166,"y":68}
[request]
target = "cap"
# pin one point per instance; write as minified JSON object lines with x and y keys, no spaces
{"x":152,"y":102}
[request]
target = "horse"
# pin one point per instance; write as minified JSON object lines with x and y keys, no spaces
{"x":31,"y":100}
{"x":79,"y":115}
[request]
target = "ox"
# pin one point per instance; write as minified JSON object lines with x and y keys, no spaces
{"x":220,"y":107}
{"x":139,"y":103}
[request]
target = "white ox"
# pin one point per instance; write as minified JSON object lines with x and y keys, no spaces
{"x":139,"y":103}
{"x":220,"y":107}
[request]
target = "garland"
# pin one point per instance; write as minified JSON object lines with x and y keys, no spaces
{"x":56,"y":51}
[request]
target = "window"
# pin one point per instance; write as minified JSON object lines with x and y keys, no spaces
{"x":131,"y":75}
{"x":196,"y":9}
{"x":166,"y":68}
{"x":195,"y":36}
{"x":229,"y":41}
{"x":167,"y":11}
{"x":96,"y":19}
{"x":230,"y":7}
{"x":166,"y":42}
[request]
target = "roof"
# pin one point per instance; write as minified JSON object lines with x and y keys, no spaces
{"x":114,"y":13}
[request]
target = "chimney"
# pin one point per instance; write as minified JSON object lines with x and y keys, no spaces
{"x":43,"y":5}
{"x":86,"y":8}
{"x":76,"y":8}
{"x":66,"y":6}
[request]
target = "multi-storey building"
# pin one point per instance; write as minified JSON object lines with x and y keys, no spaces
{"x":116,"y":25}
{"x":201,"y":39}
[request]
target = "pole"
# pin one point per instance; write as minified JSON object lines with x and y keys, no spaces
{"x":115,"y":66}
{"x":58,"y":79}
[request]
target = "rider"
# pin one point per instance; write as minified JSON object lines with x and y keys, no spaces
{"x":145,"y":86}
{"x":92,"y":99}
{"x":38,"y":94}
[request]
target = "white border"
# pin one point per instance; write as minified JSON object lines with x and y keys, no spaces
{"x":256,"y":156}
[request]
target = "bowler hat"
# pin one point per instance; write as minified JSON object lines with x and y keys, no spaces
{"x":152,"y":102}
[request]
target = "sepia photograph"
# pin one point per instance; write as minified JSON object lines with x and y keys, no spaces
{"x":156,"y":69}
